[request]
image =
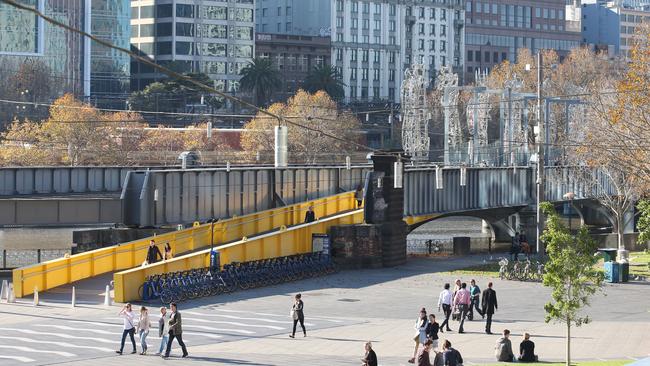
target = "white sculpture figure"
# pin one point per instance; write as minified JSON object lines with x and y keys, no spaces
{"x":478,"y":111}
{"x":514,"y":134}
{"x":447,"y":82}
{"x":415,"y":114}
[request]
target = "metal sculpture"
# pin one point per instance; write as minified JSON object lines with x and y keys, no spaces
{"x":478,"y":110}
{"x":415,"y":114}
{"x":514,"y":134}
{"x":447,"y":82}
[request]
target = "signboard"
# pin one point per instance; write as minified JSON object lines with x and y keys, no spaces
{"x":320,"y":243}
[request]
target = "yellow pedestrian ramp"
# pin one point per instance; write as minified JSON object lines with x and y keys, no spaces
{"x":283,"y":242}
{"x":54,"y":273}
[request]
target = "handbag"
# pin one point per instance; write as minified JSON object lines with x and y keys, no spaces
{"x":294,"y":314}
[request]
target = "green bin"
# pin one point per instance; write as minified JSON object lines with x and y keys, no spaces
{"x":609,"y":254}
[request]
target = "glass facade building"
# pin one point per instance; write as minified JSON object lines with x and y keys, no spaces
{"x":212,"y":37}
{"x":75,"y":65}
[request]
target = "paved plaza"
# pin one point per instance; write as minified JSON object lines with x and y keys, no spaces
{"x":342,"y":312}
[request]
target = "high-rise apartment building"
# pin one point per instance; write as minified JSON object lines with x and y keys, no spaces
{"x":296,"y":17}
{"x":213,"y":37}
{"x":497,"y":29}
{"x":76,"y":65}
{"x":611,"y":26}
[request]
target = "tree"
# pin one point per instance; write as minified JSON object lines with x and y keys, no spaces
{"x":316,"y":111}
{"x":326,"y":78}
{"x":644,"y":221}
{"x":21,"y":146}
{"x":170,"y":95}
{"x":260,"y":78}
{"x":570,"y":272}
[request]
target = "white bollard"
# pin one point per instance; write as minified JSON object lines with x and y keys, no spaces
{"x":107,"y":296}
{"x":35,"y":296}
{"x":11,"y":297}
{"x":4,"y":291}
{"x":73,"y":303}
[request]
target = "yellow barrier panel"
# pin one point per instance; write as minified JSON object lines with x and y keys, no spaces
{"x":48,"y":275}
{"x":293,"y":240}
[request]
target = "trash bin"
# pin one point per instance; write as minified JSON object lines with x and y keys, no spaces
{"x":624,"y":272}
{"x":612,"y":272}
{"x":609,"y":254}
{"x":461,"y":245}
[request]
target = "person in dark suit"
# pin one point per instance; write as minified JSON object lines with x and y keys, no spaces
{"x":370,"y":358}
{"x":310,"y":216}
{"x":175,"y":331}
{"x":489,"y":304}
{"x":527,"y":350}
{"x":153,"y":253}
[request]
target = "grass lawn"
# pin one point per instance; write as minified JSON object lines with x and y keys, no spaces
{"x":488,"y":269}
{"x":638,"y":264}
{"x":579,"y":363}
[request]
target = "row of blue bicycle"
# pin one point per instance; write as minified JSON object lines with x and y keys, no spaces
{"x":191,"y":284}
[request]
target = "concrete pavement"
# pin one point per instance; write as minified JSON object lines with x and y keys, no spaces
{"x":343,"y":311}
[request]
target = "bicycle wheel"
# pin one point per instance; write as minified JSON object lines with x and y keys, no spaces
{"x":166,"y":296}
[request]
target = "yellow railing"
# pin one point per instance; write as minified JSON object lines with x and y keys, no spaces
{"x":47,"y":275}
{"x":284,"y":242}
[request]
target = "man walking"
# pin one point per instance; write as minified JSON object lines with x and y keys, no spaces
{"x":489,"y":304}
{"x":310,"y":215}
{"x":175,"y":331}
{"x":462,"y":300}
{"x":153,"y":253}
{"x":474,"y":292}
{"x":444,"y":300}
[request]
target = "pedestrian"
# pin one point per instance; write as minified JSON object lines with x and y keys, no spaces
{"x":454,"y":314}
{"x":310,"y":215}
{"x":143,"y":329}
{"x":474,"y":292}
{"x":168,"y":252}
{"x":175,"y":331}
{"x":523,"y":244}
{"x":163,"y":329}
{"x":432,"y":330}
{"x":527,"y":350}
{"x":370,"y":359}
{"x":420,"y":335}
{"x":358,"y":195}
{"x":489,"y":305}
{"x":127,"y":315}
{"x":503,"y":348}
{"x":444,"y":300}
{"x":450,"y":356}
{"x":462,"y":301}
{"x":514,"y":247}
{"x":298,"y":315}
{"x":424,"y":356}
{"x":153,"y":253}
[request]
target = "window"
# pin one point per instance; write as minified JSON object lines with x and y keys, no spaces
{"x":339,"y":54}
{"x":432,"y":45}
{"x":364,"y":92}
{"x":146,"y":12}
{"x":213,"y":67}
{"x":421,"y":45}
{"x":443,"y":30}
{"x":495,"y":9}
{"x":391,"y":75}
{"x":185,"y":29}
{"x":391,"y":25}
{"x":478,"y":56}
{"x":353,"y":55}
{"x":366,"y":7}
{"x":375,"y":91}
{"x":377,"y":8}
{"x":355,"y":7}
{"x":443,"y":46}
{"x":237,"y":32}
{"x":391,"y":58}
{"x":163,"y":29}
{"x":421,"y":12}
{"x":495,"y":57}
{"x":288,"y":27}
{"x":355,"y":39}
{"x":468,"y":6}
{"x":146,"y":48}
{"x":432,"y":29}
{"x":339,"y":37}
{"x":241,"y":51}
{"x":279,"y":10}
{"x":134,"y":12}
{"x":184,"y":48}
{"x":264,"y":11}
{"x":487,"y":56}
{"x":364,"y":73}
{"x":470,"y":56}
{"x":214,"y":12}
{"x":366,"y":39}
{"x":391,"y":93}
{"x":552,"y":13}
{"x":147,"y":30}
{"x":163,"y":48}
{"x":545,"y":12}
{"x":377,"y":24}
{"x":392,"y":10}
{"x":377,"y":39}
{"x":478,"y":7}
{"x":538,"y":12}
{"x":339,"y":22}
{"x":391,"y":40}
{"x":355,"y":23}
{"x":432,"y":13}
{"x":184,"y":11}
{"x":353,"y":74}
{"x":365,"y":24}
{"x":421,"y":28}
{"x":339,"y":5}
{"x":364,"y":55}
{"x":287,"y":11}
{"x":443,"y":14}
{"x":164,"y":11}
{"x":443,"y":61}
{"x":377,"y":56}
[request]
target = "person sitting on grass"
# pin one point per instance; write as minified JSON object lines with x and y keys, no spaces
{"x":503,"y":348}
{"x":527,"y":350}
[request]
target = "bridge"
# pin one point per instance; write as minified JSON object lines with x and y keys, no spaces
{"x":260,"y":211}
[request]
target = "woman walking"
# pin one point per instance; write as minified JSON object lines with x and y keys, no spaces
{"x":298,"y":315}
{"x":420,"y":336}
{"x":432,"y":331}
{"x":127,"y":315}
{"x":143,"y":329}
{"x":168,"y":252}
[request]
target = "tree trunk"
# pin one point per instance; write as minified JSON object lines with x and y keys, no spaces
{"x":568,"y":341}
{"x":619,"y":230}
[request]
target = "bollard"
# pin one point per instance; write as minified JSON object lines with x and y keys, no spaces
{"x":35,"y":296}
{"x":107,"y":296}
{"x":73,"y":303}
{"x":12,"y":296}
{"x":4,"y":291}
{"x":4,"y":258}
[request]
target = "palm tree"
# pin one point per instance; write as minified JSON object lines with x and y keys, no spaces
{"x":327,"y":78}
{"x":260,"y":78}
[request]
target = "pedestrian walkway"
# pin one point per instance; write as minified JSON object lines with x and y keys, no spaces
{"x":41,"y":340}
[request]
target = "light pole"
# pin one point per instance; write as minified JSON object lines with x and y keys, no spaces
{"x":540,"y":153}
{"x":570,"y":196}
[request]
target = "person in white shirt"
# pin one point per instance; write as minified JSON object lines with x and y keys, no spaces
{"x":143,"y":329}
{"x":163,"y":329}
{"x":444,"y":301}
{"x":127,"y":315}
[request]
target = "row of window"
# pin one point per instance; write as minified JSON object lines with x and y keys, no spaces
{"x":193,"y":11}
{"x":496,"y":9}
{"x":517,"y":42}
{"x":279,"y":27}
{"x":475,"y":56}
{"x":287,"y":11}
{"x":293,"y":61}
{"x":199,"y":48}
{"x":216,"y":31}
{"x":364,"y":93}
{"x":634,"y":19}
{"x":432,"y":13}
{"x":365,"y":7}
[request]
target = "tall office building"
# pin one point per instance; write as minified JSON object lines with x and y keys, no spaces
{"x":75,"y":64}
{"x":295,"y":17}
{"x":498,"y":29}
{"x":611,"y":26}
{"x":213,"y":37}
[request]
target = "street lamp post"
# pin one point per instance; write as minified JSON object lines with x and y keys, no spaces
{"x":570,"y":196}
{"x":540,"y":153}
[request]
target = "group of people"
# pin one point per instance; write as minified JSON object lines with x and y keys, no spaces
{"x":519,"y":245}
{"x":154,"y":255}
{"x":503,"y":349}
{"x":462,"y":302}
{"x":169,"y":327}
